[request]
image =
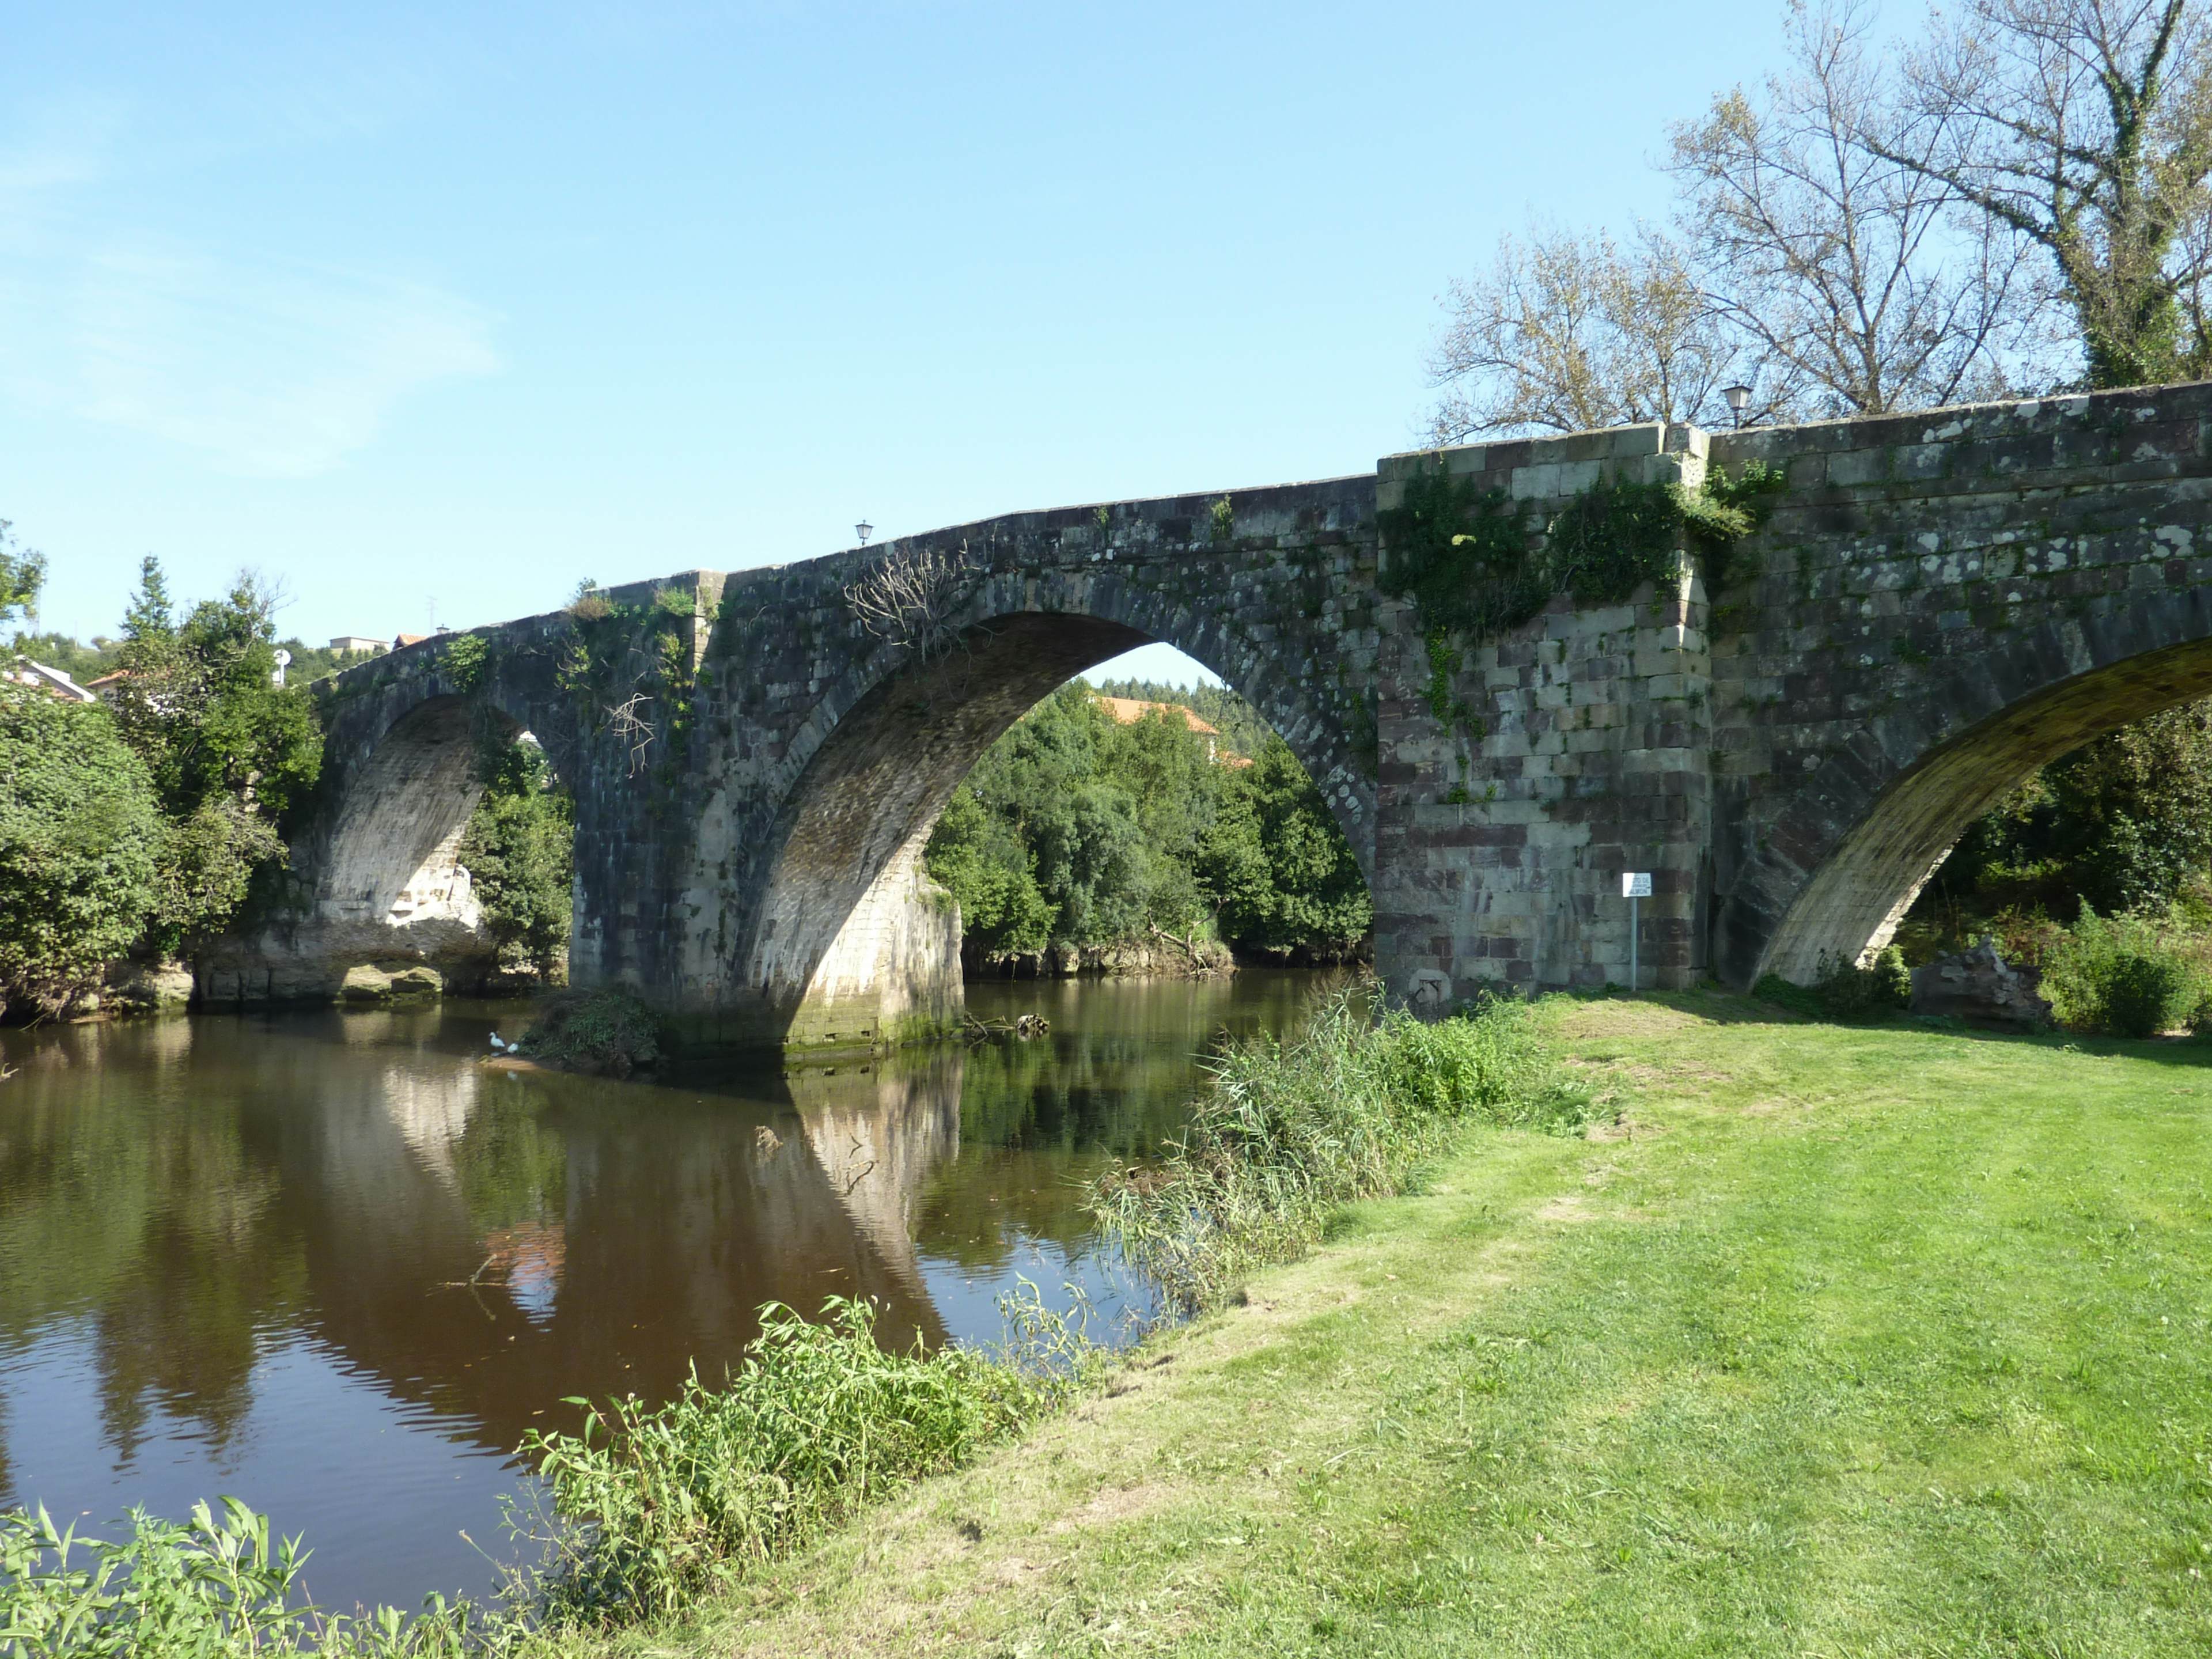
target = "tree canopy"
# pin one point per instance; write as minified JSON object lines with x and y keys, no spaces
{"x":1076,"y":829}
{"x":80,"y":844}
{"x":228,"y":750}
{"x":519,"y":849}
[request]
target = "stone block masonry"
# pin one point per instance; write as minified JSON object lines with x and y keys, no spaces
{"x":1936,"y":604}
{"x":1577,"y":748}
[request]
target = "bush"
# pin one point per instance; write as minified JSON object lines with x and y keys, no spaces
{"x":82,"y":842}
{"x":662,"y":1503}
{"x":2131,"y":976}
{"x":607,"y":1032}
{"x":1850,"y":992}
{"x":1843,"y":990}
{"x":1287,"y":1132}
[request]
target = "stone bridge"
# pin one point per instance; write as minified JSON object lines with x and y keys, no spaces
{"x":1938,"y":604}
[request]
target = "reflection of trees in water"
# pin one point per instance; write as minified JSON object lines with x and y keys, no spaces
{"x":153,"y":1210}
{"x":1111,"y":1081}
{"x":483,"y":1245}
{"x":600,"y":1238}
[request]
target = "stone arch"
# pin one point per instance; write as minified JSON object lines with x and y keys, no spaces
{"x":1838,"y":868}
{"x":391,"y":871}
{"x":847,"y":941}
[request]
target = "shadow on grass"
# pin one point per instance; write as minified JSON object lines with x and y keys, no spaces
{"x":1718,"y":1006}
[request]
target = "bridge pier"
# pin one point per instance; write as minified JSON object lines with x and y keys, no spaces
{"x":1574,"y":749}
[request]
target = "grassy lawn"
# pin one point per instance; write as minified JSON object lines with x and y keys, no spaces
{"x":1843,"y":1342}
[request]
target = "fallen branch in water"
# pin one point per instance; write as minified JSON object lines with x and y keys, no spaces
{"x":1022,"y":1029}
{"x":1188,"y":946}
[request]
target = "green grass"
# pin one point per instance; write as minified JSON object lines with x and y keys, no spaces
{"x":1841,"y":1341}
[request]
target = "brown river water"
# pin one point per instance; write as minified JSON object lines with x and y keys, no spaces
{"x":330,"y":1263}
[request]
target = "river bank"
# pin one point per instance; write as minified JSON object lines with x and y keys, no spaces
{"x":1837,"y":1340}
{"x":330,"y":1261}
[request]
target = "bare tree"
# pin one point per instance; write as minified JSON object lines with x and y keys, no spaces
{"x":1567,"y":333}
{"x":2086,"y":126}
{"x":910,"y":596}
{"x":1853,"y":277}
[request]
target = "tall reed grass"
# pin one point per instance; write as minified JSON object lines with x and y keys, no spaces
{"x":1288,"y":1131}
{"x":658,"y":1504}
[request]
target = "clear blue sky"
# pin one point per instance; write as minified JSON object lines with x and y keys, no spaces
{"x":455,"y":305}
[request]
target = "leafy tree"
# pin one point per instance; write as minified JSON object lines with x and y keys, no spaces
{"x":1284,"y":878}
{"x":1566,"y":333}
{"x":2124,"y":823}
{"x":1848,"y":274}
{"x":520,"y":851}
{"x":80,"y":838}
{"x":22,"y":574}
{"x":228,"y":750}
{"x":1075,"y":829}
{"x":980,"y":857}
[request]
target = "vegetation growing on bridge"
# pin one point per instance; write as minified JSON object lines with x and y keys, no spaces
{"x":1476,"y":565}
{"x":628,"y":669}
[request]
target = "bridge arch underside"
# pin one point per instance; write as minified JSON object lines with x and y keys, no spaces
{"x":390,"y":887}
{"x":850,"y":942}
{"x":1847,"y":899}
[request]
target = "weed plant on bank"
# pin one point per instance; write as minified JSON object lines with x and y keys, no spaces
{"x":1287,"y":1132}
{"x":1843,"y":990}
{"x":651,"y":1507}
{"x":609,"y":1031}
{"x":206,"y":1589}
{"x":656,"y":1505}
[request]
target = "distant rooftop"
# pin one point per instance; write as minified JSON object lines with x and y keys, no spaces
{"x":26,"y":672}
{"x":1127,"y":711}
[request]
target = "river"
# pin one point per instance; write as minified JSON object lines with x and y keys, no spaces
{"x":330,"y":1263}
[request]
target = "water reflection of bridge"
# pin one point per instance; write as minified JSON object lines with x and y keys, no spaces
{"x":479,"y":1243}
